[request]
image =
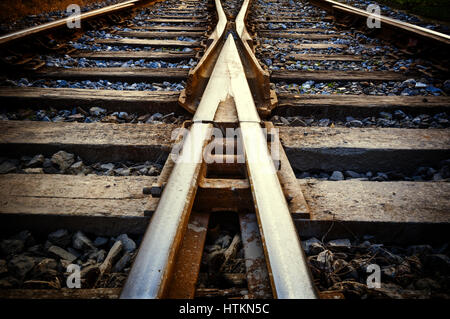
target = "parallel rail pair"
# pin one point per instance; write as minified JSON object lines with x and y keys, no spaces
{"x":227,"y":87}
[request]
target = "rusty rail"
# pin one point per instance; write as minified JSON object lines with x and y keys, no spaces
{"x":198,"y":77}
{"x":407,"y":32}
{"x":46,"y":27}
{"x":226,"y":101}
{"x":258,"y":79}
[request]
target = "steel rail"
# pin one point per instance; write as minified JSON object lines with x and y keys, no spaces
{"x":227,"y":80}
{"x":62,"y":22}
{"x":286,"y":261}
{"x":438,"y":36}
{"x":152,"y":268}
{"x":259,"y":79}
{"x":199,"y":76}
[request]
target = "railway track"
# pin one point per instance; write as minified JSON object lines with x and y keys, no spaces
{"x":230,"y":129}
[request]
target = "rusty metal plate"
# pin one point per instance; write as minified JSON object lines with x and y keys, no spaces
{"x":187,"y":264}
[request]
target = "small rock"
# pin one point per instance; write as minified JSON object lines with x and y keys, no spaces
{"x":324,"y":122}
{"x":399,"y":114}
{"x":100,"y":241}
{"x":12,"y":246}
{"x":81,"y":241}
{"x":122,"y":171}
{"x":284,"y":120}
{"x":324,"y":260}
{"x":122,"y":263}
{"x":356,"y":123}
{"x":123,"y":115}
{"x":128,"y":244}
{"x":37,"y":250}
{"x":143,"y":118}
{"x":25,"y":236}
{"x":152,"y":171}
{"x":446,"y":86}
{"x":77,"y":168}
{"x":34,"y":170}
{"x":60,"y":238}
{"x":336,"y":176}
{"x":352,"y":174}
{"x":380,"y":177}
{"x":107,"y":167}
{"x":109,"y":119}
{"x":156,"y":117}
{"x":62,"y":253}
{"x":365,"y":244}
{"x":297,"y":122}
{"x":76,"y":117}
{"x":100,"y":255}
{"x":7,"y":167}
{"x":63,"y":159}
{"x":386,"y":115}
{"x":312,"y":246}
{"x":420,"y":85}
{"x":324,"y":175}
{"x":408,"y":83}
{"x":96,"y":111}
{"x":47,"y":244}
{"x":339,"y":244}
{"x":74,"y":252}
{"x":20,"y":265}
{"x":36,"y":161}
{"x":48,"y":167}
{"x":437,"y":177}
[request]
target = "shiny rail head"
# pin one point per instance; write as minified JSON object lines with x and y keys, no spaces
{"x":286,"y":261}
{"x":227,"y":81}
{"x":259,"y":79}
{"x":152,"y":269}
